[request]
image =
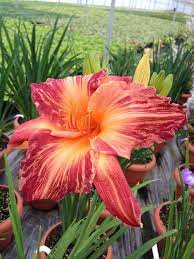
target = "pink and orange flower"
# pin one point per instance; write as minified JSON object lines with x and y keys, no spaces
{"x":85,"y":123}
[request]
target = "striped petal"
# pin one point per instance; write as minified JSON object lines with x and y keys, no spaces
{"x":55,"y":166}
{"x":26,"y":129}
{"x":126,"y":79}
{"x":132,"y":116}
{"x":61,"y":99}
{"x":112,"y":187}
{"x":101,"y":77}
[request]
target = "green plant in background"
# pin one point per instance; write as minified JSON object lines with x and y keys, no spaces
{"x":13,"y":212}
{"x":72,"y":208}
{"x":6,"y":106}
{"x":91,"y":64}
{"x":181,"y":217}
{"x":124,"y":61}
{"x":161,"y":82}
{"x":86,"y":238}
{"x":176,"y":60}
{"x":138,"y":156}
{"x":38,"y":58}
{"x":83,"y":236}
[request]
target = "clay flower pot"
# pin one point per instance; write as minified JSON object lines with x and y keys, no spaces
{"x":6,"y":226}
{"x":136,"y":173}
{"x":191,"y":129}
{"x":18,"y":120}
{"x":160,"y":228}
{"x":184,"y":97}
{"x":177,"y":179}
{"x":48,"y":232}
{"x":43,"y":204}
{"x":40,"y":204}
{"x":2,"y":162}
{"x":191,"y":152}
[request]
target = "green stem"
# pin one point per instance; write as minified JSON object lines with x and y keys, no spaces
{"x":187,"y":153}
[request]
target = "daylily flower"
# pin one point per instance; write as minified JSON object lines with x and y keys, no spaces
{"x":85,"y":123}
{"x":188,"y":176}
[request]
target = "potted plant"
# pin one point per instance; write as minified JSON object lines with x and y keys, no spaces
{"x":141,"y":162}
{"x":176,"y":60}
{"x":190,"y":127}
{"x":5,"y":102}
{"x":191,"y":149}
{"x":177,"y":214}
{"x":36,"y":60}
{"x":187,"y":175}
{"x":82,"y":238}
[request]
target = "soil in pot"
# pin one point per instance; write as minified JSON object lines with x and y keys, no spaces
{"x":4,"y":203}
{"x":3,"y":145}
{"x":141,"y":161}
{"x":3,"y":142}
{"x":54,"y":237}
{"x":164,"y":215}
{"x":5,"y":222}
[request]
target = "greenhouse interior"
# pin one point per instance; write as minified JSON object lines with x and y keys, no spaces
{"x":97,"y":129}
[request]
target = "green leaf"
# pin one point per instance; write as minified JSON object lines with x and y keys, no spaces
{"x":149,"y":244}
{"x":166,"y":85}
{"x":91,"y":64}
{"x":140,"y":185}
{"x":189,"y":248}
{"x":13,"y":211}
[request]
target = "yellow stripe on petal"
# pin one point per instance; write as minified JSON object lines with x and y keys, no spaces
{"x":55,"y":166}
{"x":113,"y":188}
{"x":21,"y":135}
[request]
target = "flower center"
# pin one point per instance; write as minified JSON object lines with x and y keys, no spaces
{"x":84,"y":123}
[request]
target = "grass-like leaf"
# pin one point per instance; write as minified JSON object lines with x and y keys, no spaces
{"x":13,"y":211}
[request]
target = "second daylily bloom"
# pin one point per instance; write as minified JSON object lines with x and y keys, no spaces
{"x":85,"y":123}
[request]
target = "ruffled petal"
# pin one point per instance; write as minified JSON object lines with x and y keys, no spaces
{"x":102,"y":77}
{"x":55,"y":166}
{"x":112,"y":187}
{"x":126,"y":79}
{"x":62,"y":100}
{"x":132,"y":116}
{"x":26,"y":129}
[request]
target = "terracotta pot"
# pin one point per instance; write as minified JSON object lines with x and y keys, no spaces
{"x":40,"y":204}
{"x":48,"y":232}
{"x":6,"y":226}
{"x":158,"y":147}
{"x":159,"y":226}
{"x":191,"y":153}
{"x":2,"y":162}
{"x":136,"y":173}
{"x":191,"y":129}
{"x":178,"y":182}
{"x":43,"y":204}
{"x":183,"y":98}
